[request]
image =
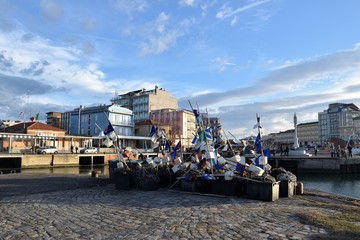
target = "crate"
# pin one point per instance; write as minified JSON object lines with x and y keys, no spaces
{"x":228,"y":187}
{"x":112,"y":167}
{"x":166,"y":179}
{"x":196,"y":185}
{"x":265,"y":191}
{"x":124,"y":181}
{"x":286,"y":188}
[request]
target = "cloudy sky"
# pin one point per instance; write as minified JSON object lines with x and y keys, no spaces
{"x":234,"y":58}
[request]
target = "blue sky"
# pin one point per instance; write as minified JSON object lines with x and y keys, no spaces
{"x":233,"y":58}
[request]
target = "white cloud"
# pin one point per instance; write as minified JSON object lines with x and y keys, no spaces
{"x":226,"y":12}
{"x":221,"y":63}
{"x":190,"y":3}
{"x":130,"y":6}
{"x":51,"y":10}
{"x":159,"y":35}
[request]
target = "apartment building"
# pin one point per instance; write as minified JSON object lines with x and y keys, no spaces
{"x":308,"y":133}
{"x":53,"y":119}
{"x":182,"y":124}
{"x":338,"y":121}
{"x":143,"y":101}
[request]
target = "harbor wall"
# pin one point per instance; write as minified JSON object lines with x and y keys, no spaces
{"x":313,"y":164}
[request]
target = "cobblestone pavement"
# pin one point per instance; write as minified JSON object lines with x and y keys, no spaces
{"x":88,"y":208}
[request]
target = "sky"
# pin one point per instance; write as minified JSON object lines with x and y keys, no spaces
{"x":234,"y":59}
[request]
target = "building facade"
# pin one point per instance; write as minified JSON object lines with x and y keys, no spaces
{"x":143,"y":101}
{"x":285,"y":137}
{"x":308,"y":134}
{"x":337,"y":121}
{"x":91,"y":121}
{"x":181,"y":123}
{"x":53,"y":119}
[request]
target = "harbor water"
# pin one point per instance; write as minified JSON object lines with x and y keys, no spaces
{"x":341,"y":184}
{"x":337,"y":183}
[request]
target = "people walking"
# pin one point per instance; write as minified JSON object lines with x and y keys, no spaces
{"x":72,"y":149}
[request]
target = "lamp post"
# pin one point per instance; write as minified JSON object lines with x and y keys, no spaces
{"x":79,"y":123}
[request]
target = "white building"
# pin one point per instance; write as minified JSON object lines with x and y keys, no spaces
{"x":338,"y":121}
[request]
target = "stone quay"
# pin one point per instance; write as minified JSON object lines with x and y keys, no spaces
{"x":59,"y":206}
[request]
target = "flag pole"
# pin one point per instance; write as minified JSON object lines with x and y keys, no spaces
{"x":116,"y":142}
{"x":259,"y":132}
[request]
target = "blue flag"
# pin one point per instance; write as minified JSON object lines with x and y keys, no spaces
{"x":194,"y":140}
{"x":167,"y":145}
{"x":258,"y":146}
{"x":267,"y":153}
{"x":153,"y":134}
{"x":110,"y":132}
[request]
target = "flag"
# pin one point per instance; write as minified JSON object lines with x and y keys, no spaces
{"x":20,"y":114}
{"x":258,"y":146}
{"x":167,"y":145}
{"x":101,"y":134}
{"x":208,"y":134}
{"x":267,"y":152}
{"x":32,"y":119}
{"x":175,"y":149}
{"x":110,"y":132}
{"x":226,"y":147}
{"x":153,"y":134}
{"x":178,"y":146}
{"x":194,"y":140}
{"x":108,"y":143}
{"x":208,"y":176}
{"x":202,"y":135}
{"x":197,"y":116}
{"x":37,"y":116}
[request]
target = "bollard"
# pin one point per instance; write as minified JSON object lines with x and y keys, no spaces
{"x":94,"y":174}
{"x":299,"y":188}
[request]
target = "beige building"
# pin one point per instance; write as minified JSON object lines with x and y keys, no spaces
{"x":182,"y":124}
{"x":53,"y":119}
{"x":286,"y":137}
{"x":143,"y":101}
{"x":308,"y":133}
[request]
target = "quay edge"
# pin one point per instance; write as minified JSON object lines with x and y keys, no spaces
{"x":304,"y":164}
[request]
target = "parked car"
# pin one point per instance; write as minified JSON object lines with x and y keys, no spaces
{"x":47,"y":150}
{"x":89,"y":150}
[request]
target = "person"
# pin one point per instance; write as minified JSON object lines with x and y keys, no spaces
{"x":76,"y":149}
{"x":315,"y":150}
{"x":338,"y":152}
{"x":350,"y":150}
{"x":281,"y":151}
{"x":72,"y":149}
{"x":287,"y":151}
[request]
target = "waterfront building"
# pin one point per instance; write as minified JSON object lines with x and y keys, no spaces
{"x":91,"y":121}
{"x":24,"y":137}
{"x":181,"y":124}
{"x":308,"y":133}
{"x":285,"y":137}
{"x":143,"y":101}
{"x":53,"y":119}
{"x":338,"y":121}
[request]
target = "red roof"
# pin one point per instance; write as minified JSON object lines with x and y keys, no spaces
{"x":19,"y":128}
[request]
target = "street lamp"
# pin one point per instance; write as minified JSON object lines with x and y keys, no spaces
{"x":79,"y":123}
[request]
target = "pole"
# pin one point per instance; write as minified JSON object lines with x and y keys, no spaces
{"x":79,"y":122}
